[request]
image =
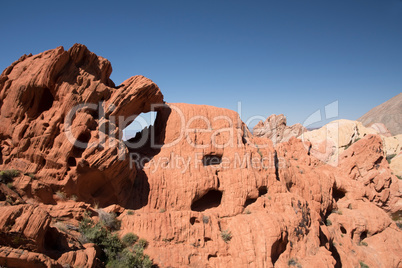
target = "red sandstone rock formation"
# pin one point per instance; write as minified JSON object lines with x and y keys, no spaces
{"x":197,"y":185}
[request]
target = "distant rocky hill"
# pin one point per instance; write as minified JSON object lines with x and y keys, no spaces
{"x":389,"y":113}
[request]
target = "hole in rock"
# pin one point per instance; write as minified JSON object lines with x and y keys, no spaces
{"x":278,"y":248}
{"x":338,"y":193}
{"x":262,"y":190}
{"x":54,"y":242}
{"x":71,"y":161}
{"x":141,"y":123}
{"x":211,"y":199}
{"x":336,"y":255}
{"x":249,"y":201}
{"x":193,"y":220}
{"x":378,"y":161}
{"x":323,"y":238}
{"x":42,"y":162}
{"x":289,"y":185}
{"x":206,"y":239}
{"x":212,"y":256}
{"x":363,"y":235}
{"x":276,"y":162}
{"x":81,"y":144}
{"x":94,"y":187}
{"x":40,"y":100}
{"x":343,"y":230}
{"x":211,"y":159}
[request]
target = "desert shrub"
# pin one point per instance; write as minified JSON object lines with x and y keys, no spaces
{"x":112,"y":246}
{"x":130,"y":212}
{"x":337,"y":212}
{"x":73,"y":197}
{"x":108,"y":220}
{"x":61,"y":195}
{"x":363,"y":265}
{"x":247,"y":211}
{"x":328,"y":222}
{"x":362,"y":243}
{"x":116,"y":252}
{"x":10,"y":185}
{"x":91,"y":232}
{"x":129,"y":239}
{"x":205,"y":219}
{"x":142,"y":243}
{"x":389,"y":157}
{"x":399,"y":177}
{"x":293,"y":262}
{"x":127,"y":258}
{"x":7,"y":176}
{"x":226,"y":235}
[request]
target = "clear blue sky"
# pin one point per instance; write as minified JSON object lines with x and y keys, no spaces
{"x":288,"y":56}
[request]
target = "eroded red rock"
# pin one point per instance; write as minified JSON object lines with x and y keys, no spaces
{"x":197,"y":185}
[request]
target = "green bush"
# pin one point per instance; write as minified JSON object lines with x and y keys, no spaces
{"x":129,"y":239}
{"x":7,"y":176}
{"x":112,"y":246}
{"x":142,"y":243}
{"x":363,"y":265}
{"x":116,"y":252}
{"x":128,"y":258}
{"x":328,"y":222}
{"x":130,"y":212}
{"x":362,"y":243}
{"x":389,"y":157}
{"x":91,"y":232}
{"x":293,"y":262}
{"x":226,"y":235}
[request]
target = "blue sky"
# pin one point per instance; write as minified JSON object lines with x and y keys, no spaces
{"x":289,"y":56}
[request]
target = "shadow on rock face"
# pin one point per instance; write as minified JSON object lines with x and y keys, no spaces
{"x":151,"y":140}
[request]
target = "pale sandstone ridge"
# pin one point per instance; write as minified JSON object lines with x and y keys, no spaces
{"x":275,"y":129}
{"x":389,"y":113}
{"x":198,"y":174}
{"x":331,"y":140}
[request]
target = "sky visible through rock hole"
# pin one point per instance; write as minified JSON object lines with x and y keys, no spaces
{"x":292,"y":57}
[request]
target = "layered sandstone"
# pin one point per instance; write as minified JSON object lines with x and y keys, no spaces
{"x":197,"y":185}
